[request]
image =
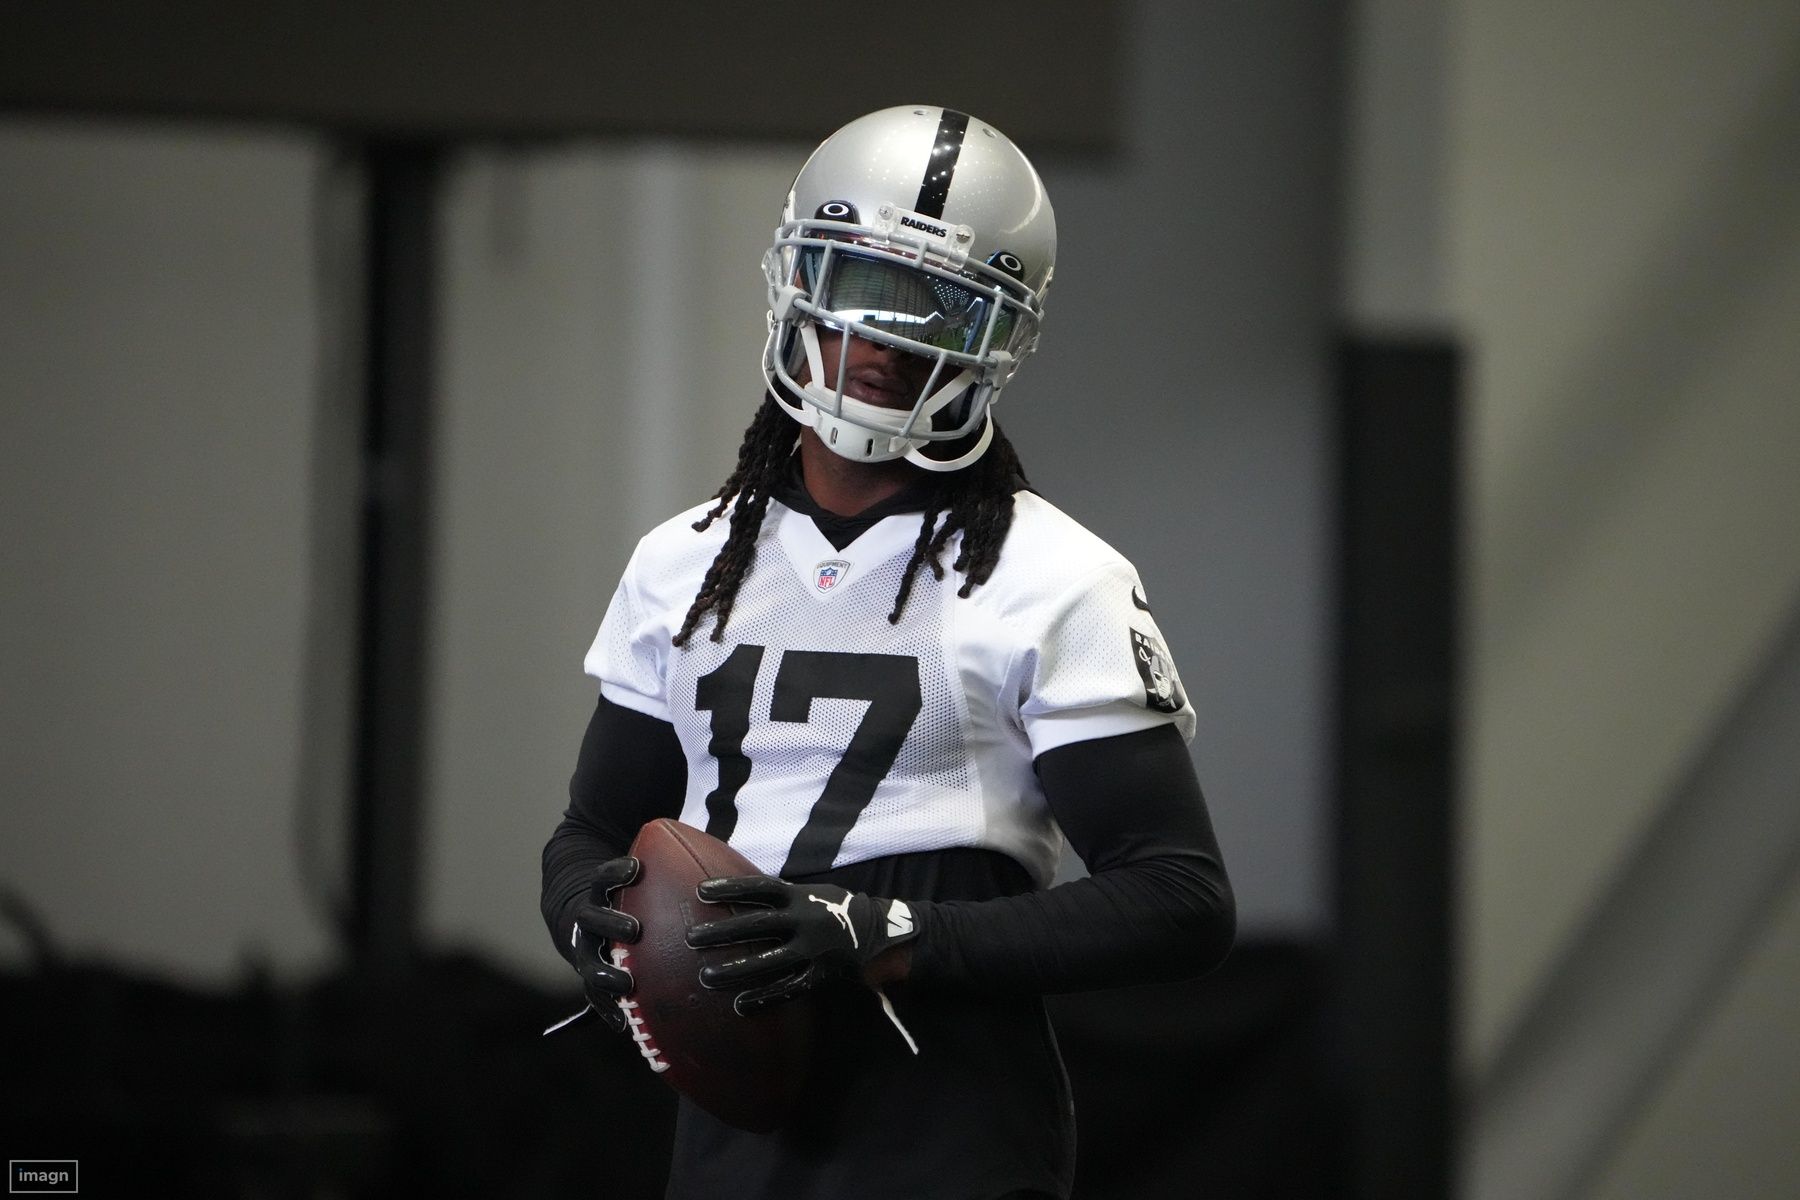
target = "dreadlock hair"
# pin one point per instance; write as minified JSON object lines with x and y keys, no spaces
{"x":976,"y":500}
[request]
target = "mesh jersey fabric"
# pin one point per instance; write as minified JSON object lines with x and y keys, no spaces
{"x":819,"y":735}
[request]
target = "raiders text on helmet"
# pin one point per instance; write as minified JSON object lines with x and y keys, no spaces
{"x":926,"y":230}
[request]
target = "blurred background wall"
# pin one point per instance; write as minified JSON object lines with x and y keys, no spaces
{"x":1598,"y":205}
{"x":1600,"y":202}
{"x":160,"y":361}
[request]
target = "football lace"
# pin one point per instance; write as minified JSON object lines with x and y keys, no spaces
{"x":646,"y":1043}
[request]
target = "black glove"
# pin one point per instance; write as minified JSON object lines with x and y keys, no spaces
{"x":822,"y":932}
{"x":597,"y":925}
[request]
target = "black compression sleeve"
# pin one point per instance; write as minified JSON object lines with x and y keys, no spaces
{"x":630,"y":771}
{"x":1156,"y":904}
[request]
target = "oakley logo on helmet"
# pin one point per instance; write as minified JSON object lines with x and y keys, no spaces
{"x":837,"y":210}
{"x":926,"y":226}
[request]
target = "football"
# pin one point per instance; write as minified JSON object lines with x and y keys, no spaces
{"x":744,"y":1070}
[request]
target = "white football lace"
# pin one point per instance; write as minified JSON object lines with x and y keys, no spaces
{"x":646,"y":1044}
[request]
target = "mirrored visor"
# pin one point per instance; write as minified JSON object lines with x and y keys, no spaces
{"x":906,"y":302}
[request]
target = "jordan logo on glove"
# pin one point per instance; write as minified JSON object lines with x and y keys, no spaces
{"x":841,"y":911}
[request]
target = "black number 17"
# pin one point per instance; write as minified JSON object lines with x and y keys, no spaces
{"x":889,"y":682}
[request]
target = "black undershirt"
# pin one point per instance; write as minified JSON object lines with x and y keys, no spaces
{"x":840,"y":531}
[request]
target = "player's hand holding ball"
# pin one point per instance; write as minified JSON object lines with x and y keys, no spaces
{"x":820,"y":932}
{"x":597,"y":926}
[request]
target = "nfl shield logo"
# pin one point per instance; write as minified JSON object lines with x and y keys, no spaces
{"x":829,"y":573}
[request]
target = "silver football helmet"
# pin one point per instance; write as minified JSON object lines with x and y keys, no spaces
{"x":926,"y":230}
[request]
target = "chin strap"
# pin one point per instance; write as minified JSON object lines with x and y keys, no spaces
{"x":918,"y":458}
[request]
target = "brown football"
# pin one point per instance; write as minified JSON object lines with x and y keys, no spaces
{"x":744,"y":1070}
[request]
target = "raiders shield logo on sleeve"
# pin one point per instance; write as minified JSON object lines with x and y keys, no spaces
{"x":1162,"y":689}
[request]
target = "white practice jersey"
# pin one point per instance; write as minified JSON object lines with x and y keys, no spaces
{"x":818,"y":734}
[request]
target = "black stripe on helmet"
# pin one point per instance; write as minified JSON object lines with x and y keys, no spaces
{"x":934,"y":189}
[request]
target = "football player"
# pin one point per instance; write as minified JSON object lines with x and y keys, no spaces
{"x":896,"y":679}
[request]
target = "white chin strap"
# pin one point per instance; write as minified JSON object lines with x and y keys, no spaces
{"x":860,"y":444}
{"x":864,"y":432}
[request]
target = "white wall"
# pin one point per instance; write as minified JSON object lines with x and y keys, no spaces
{"x":1611,"y":205}
{"x":158,"y":364}
{"x":1723,"y":1123}
{"x":1627,"y":262}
